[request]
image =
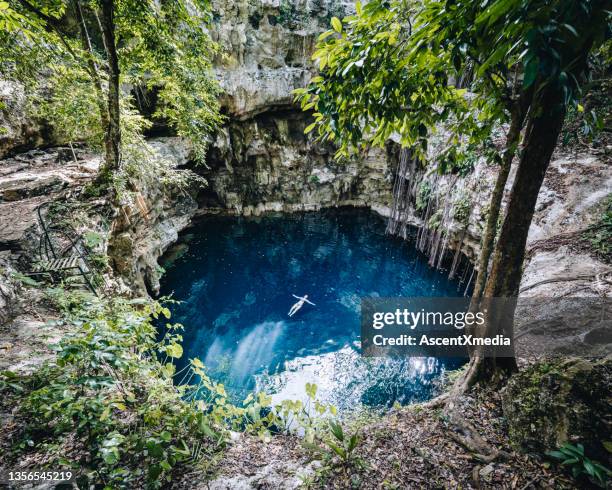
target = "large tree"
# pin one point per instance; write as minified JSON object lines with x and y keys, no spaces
{"x":393,"y":68}
{"x":93,"y":56}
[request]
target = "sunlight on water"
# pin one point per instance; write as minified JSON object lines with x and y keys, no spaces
{"x":236,"y":282}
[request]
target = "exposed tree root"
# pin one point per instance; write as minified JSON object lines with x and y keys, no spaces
{"x":580,"y":277}
{"x":468,"y":437}
{"x":463,"y":432}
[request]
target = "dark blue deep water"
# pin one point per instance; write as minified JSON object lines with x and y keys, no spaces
{"x":236,"y":277}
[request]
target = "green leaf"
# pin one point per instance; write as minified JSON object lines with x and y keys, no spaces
{"x":325,"y":35}
{"x":197,"y":363}
{"x":569,"y":461}
{"x":338,"y":450}
{"x":353,"y":441}
{"x":495,"y":11}
{"x":588,"y":466}
{"x":154,"y":472}
{"x":310,"y":127}
{"x":155,"y":450}
{"x":336,"y":24}
{"x":556,"y":454}
{"x":531,"y":71}
{"x":174,"y":350}
{"x":337,"y":430}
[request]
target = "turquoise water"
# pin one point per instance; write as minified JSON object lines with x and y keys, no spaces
{"x":236,"y":278}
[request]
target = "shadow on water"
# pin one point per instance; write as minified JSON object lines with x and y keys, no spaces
{"x":236,"y":279}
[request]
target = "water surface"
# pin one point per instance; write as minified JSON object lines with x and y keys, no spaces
{"x":236,"y":278}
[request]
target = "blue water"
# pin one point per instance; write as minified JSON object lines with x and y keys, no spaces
{"x":236,"y":278}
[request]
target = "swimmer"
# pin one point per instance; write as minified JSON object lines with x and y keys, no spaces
{"x":299,"y":304}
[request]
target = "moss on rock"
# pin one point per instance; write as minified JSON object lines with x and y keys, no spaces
{"x":556,"y":401}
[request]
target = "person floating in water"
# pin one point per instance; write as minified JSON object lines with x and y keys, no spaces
{"x":294,"y":309}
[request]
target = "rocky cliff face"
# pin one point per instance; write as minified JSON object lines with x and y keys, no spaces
{"x":261,"y":160}
{"x":266,"y":46}
{"x":150,"y":223}
{"x":453,"y":210}
{"x":266,"y":163}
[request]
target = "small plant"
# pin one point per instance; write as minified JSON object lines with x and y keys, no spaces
{"x":337,"y":445}
{"x":436,"y":220}
{"x":423,"y":195}
{"x":25,"y":280}
{"x":574,"y":458}
{"x":462,"y":209}
{"x":341,"y":445}
{"x":599,"y":235}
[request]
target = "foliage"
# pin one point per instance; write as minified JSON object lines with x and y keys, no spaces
{"x":163,"y":46}
{"x":462,"y":209}
{"x":573,"y":456}
{"x":105,"y":390}
{"x":586,"y":124}
{"x":289,"y":15}
{"x":69,"y":105}
{"x":393,"y":69}
{"x":337,"y":445}
{"x":166,"y":46}
{"x":423,"y":195}
{"x":375,"y":83}
{"x":314,"y":179}
{"x":435,"y":220}
{"x":25,"y":280}
{"x":114,"y":407}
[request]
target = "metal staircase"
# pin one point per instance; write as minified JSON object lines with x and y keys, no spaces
{"x":63,"y":256}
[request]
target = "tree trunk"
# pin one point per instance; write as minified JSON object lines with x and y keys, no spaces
{"x":506,"y":271}
{"x":113,"y":134}
{"x":517,"y":118}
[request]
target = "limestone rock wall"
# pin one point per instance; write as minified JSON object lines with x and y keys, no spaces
{"x":149,"y":224}
{"x":261,"y":160}
{"x":266,"y":163}
{"x":266,"y":48}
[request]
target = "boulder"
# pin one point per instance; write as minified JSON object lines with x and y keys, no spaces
{"x":556,"y":401}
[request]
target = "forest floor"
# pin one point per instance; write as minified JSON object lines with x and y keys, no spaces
{"x":410,"y":447}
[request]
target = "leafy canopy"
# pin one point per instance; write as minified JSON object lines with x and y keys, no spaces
{"x":162,"y":46}
{"x":393,"y":69}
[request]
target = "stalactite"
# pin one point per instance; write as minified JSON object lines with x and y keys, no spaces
{"x":433,"y":236}
{"x":463,"y":276}
{"x":426,"y":238}
{"x":445,"y":227}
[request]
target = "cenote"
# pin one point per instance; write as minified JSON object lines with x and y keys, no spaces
{"x":235,"y":279}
